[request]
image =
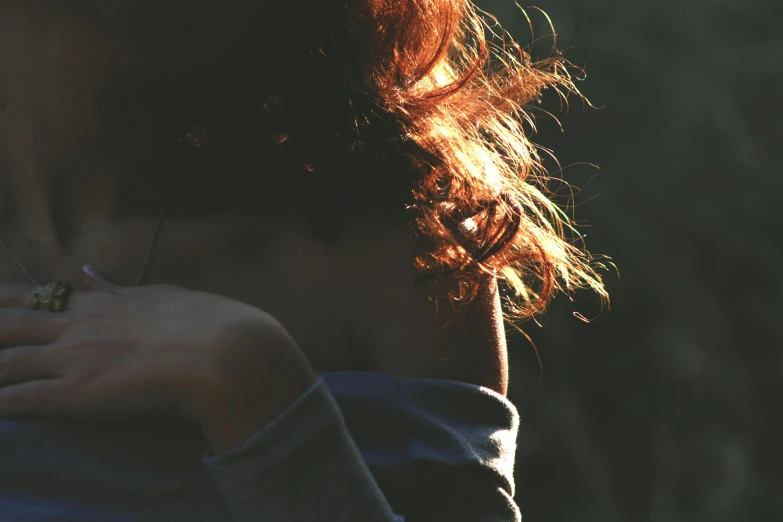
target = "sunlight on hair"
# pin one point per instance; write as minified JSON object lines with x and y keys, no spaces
{"x":469,"y":105}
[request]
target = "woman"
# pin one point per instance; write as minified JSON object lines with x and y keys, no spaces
{"x":298,"y":216}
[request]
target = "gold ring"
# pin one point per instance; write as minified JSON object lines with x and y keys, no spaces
{"x":52,"y":296}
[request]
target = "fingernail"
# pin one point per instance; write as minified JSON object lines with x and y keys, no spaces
{"x":91,"y":272}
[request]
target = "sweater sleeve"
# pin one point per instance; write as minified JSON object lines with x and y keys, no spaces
{"x":304,"y":466}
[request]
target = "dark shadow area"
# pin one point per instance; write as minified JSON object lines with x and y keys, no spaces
{"x":667,"y":407}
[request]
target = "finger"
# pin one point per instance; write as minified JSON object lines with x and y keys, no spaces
{"x":26,"y":363}
{"x":34,"y":398}
{"x":21,"y":327}
{"x":97,"y":281}
{"x":16,"y":296}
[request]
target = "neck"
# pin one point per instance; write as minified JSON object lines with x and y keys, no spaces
{"x":64,"y":145}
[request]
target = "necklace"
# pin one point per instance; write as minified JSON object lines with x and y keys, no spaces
{"x":144,"y":263}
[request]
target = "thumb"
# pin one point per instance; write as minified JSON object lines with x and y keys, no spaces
{"x":96,"y":281}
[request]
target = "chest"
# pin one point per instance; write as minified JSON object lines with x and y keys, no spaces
{"x":271,"y":264}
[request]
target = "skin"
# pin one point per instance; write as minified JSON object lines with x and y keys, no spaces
{"x":237,"y":313}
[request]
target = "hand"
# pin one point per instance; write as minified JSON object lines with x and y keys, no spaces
{"x":155,"y":349}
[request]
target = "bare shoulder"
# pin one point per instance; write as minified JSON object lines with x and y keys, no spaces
{"x":404,"y":329}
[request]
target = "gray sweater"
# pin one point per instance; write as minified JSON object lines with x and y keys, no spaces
{"x":356,"y":446}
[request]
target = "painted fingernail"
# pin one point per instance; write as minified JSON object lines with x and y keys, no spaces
{"x":91,"y":272}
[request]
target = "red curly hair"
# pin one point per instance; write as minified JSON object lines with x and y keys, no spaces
{"x":420,"y":104}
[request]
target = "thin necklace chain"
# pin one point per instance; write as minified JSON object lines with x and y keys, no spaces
{"x":150,"y":246}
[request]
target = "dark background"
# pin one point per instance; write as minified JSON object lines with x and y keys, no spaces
{"x":667,"y":407}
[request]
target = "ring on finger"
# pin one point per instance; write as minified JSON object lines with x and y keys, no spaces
{"x":52,"y":296}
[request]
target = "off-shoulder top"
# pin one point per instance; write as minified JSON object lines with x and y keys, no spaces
{"x":356,"y":446}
